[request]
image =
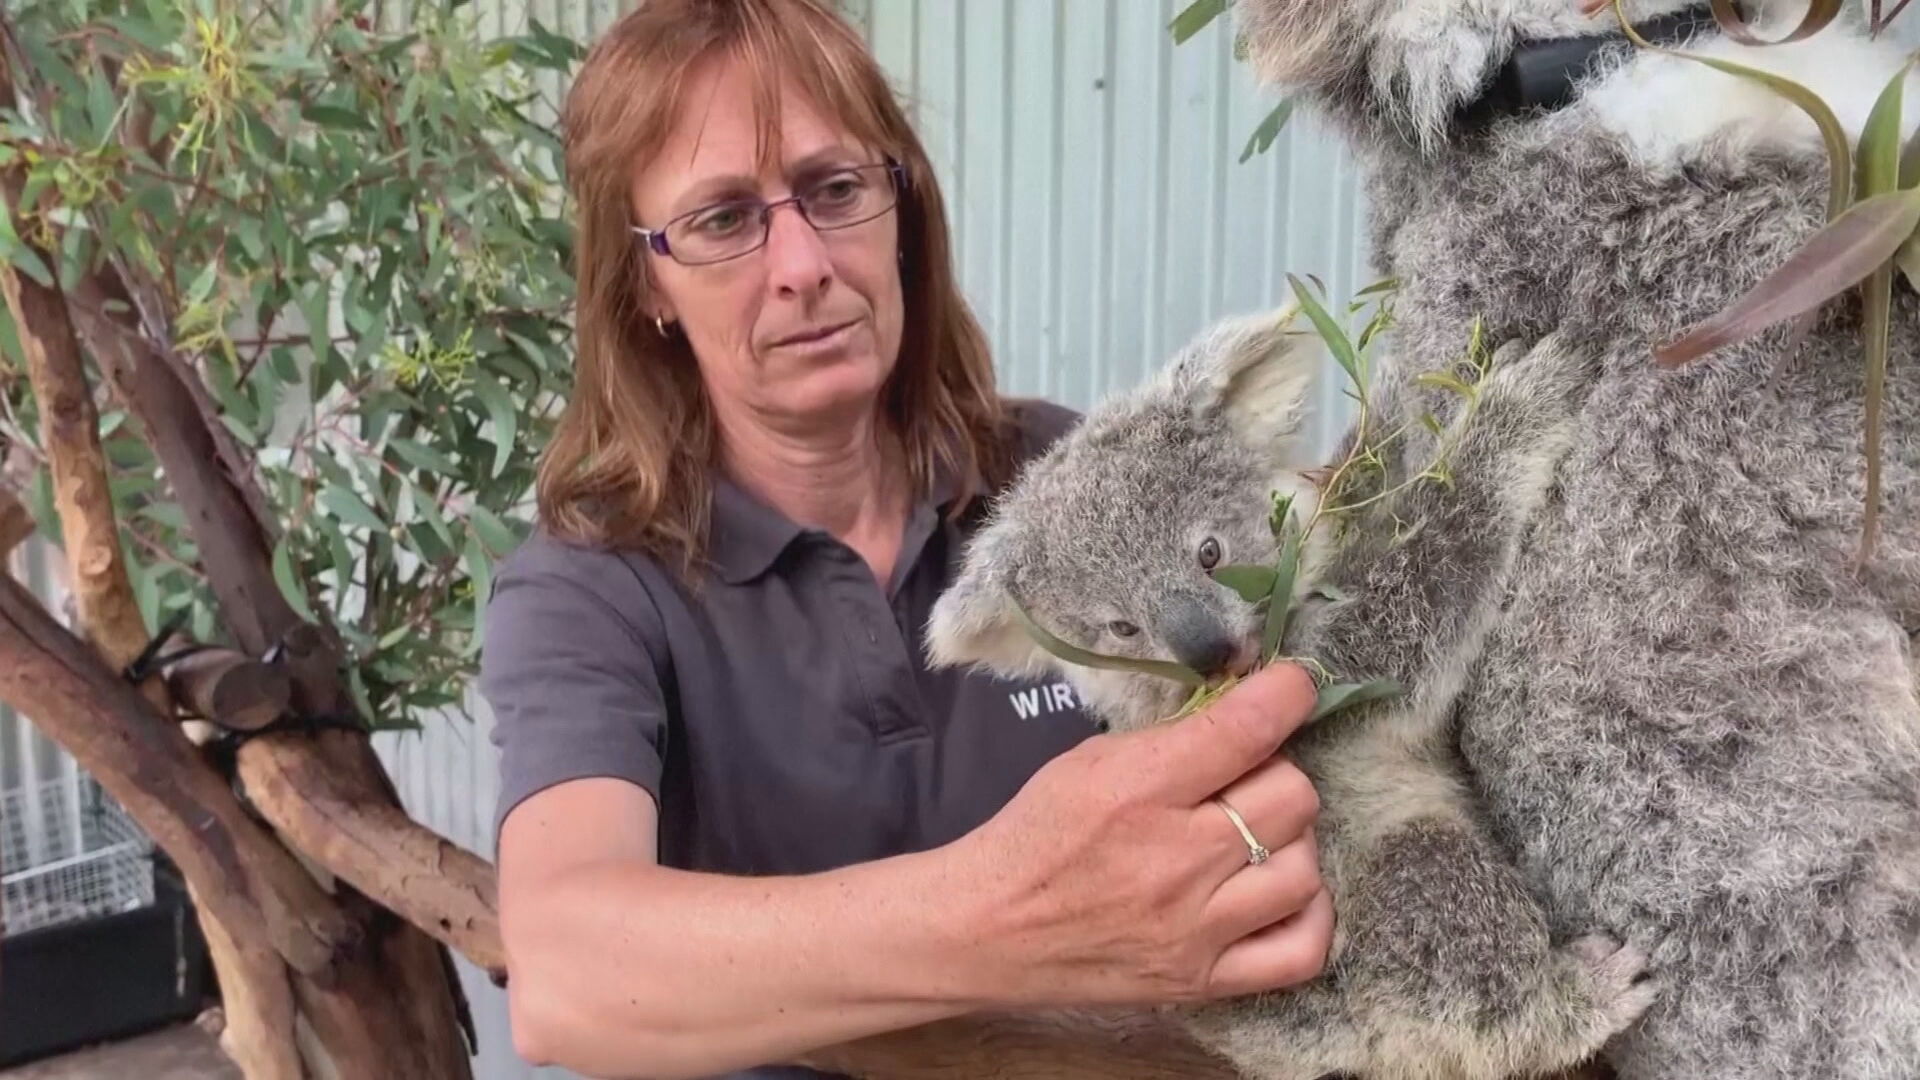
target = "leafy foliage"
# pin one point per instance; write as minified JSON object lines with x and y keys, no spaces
{"x":356,"y":237}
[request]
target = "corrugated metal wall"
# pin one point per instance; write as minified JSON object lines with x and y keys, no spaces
{"x":1101,"y":215}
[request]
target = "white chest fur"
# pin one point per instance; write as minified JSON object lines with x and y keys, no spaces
{"x":1667,"y":109}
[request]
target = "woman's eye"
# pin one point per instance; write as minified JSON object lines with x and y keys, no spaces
{"x":1122,"y":628}
{"x":721,"y":220}
{"x":1209,"y":553}
{"x":837,"y":192}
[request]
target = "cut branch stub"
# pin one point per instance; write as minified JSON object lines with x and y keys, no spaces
{"x":229,"y":688}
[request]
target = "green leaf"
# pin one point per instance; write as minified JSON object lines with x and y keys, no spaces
{"x":493,"y":532}
{"x":332,"y":116}
{"x":1280,"y":607}
{"x":283,"y":577}
{"x":1195,"y":18}
{"x":1333,"y":699}
{"x":1879,"y":158}
{"x":1269,"y":130}
{"x":1253,"y":583}
{"x":425,"y":457}
{"x":480,"y":571}
{"x":1839,"y":256}
{"x":1330,"y":331}
{"x":349,"y":508}
{"x":505,"y":419}
{"x":1073,"y":654}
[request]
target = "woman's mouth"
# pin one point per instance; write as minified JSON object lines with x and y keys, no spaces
{"x":831,"y":334}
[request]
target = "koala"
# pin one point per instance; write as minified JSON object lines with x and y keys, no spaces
{"x":1693,"y":719}
{"x":1442,"y":967}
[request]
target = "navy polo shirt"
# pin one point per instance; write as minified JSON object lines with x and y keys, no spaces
{"x":781,"y":714}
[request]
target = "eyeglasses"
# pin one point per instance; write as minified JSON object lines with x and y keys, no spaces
{"x":728,"y":230}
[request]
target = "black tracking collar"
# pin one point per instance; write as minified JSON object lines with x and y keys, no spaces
{"x":1541,"y":74}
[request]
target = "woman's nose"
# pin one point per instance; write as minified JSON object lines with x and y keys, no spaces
{"x":797,"y":261}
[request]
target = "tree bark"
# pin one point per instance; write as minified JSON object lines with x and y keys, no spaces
{"x":16,"y":523}
{"x":431,"y":882}
{"x":229,"y":688}
{"x":69,"y":432}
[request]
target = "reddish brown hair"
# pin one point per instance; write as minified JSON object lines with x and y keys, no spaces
{"x":629,"y":463}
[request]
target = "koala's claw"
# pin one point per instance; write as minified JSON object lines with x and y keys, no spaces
{"x":1623,"y":988}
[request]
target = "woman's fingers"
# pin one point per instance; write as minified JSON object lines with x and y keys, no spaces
{"x":1281,"y":955}
{"x":1256,"y":897}
{"x":1276,"y":805}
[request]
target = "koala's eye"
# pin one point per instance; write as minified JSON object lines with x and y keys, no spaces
{"x":1122,"y":628}
{"x":1209,"y":553}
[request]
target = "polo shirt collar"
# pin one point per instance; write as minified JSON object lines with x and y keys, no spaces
{"x":746,"y":535}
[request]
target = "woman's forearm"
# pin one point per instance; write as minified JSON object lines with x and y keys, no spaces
{"x":627,"y":969}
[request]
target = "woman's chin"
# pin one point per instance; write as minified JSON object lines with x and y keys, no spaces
{"x":851,"y":385}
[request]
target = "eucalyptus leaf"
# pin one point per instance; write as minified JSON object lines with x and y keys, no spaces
{"x":1835,"y":259}
{"x":1253,"y":583}
{"x":1280,"y":607}
{"x":283,"y":576}
{"x":1330,"y":332}
{"x":1195,"y":17}
{"x":1073,"y":654}
{"x":351,"y":509}
{"x":1341,"y":696}
{"x":421,"y":456}
{"x":493,"y":532}
{"x":1263,"y":136}
{"x":505,"y":417}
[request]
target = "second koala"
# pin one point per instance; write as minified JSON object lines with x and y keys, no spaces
{"x":1442,"y":967}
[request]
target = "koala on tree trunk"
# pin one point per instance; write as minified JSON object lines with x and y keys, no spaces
{"x":1443,"y":967}
{"x":1693,"y":721}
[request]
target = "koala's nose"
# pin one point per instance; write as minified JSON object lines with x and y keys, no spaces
{"x":1197,"y":639}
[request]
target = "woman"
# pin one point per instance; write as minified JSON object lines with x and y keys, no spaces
{"x":739,"y":820}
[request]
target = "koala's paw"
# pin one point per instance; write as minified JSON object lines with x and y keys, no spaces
{"x":1622,"y":988}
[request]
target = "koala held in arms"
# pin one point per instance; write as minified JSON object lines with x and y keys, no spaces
{"x":1442,"y":967}
{"x":1695,"y":720}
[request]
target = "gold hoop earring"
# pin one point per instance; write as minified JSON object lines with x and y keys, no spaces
{"x":660,"y":325}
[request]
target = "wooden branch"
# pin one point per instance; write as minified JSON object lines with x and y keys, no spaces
{"x":242,"y":874}
{"x":372,"y":844}
{"x":16,"y":523}
{"x":1060,"y":1045}
{"x":256,"y":991}
{"x":69,"y":431}
{"x":229,"y":688}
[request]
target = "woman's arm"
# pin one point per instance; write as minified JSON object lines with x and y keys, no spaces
{"x":1108,"y":880}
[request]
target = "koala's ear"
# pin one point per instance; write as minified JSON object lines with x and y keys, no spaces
{"x":973,"y":623}
{"x":1258,"y":370}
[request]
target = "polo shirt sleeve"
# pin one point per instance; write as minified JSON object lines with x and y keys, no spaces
{"x":570,"y":668}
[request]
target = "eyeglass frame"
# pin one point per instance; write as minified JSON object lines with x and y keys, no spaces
{"x":657,"y":238}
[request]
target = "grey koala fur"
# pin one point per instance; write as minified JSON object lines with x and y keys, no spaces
{"x":1442,"y":966}
{"x":1693,"y":722}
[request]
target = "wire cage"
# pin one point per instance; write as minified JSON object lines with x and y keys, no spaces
{"x":69,"y":852}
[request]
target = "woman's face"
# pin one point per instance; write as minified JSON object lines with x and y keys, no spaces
{"x":803,"y":332}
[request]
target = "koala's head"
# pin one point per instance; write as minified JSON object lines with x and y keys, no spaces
{"x":1107,"y":540}
{"x":1410,"y":64}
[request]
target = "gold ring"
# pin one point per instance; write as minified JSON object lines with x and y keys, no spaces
{"x":1257,"y":852}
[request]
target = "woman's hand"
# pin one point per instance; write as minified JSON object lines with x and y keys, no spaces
{"x":1114,"y":878}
